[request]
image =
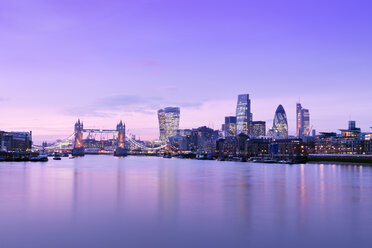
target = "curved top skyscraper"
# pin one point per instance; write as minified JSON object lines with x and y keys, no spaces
{"x":169,"y":122}
{"x":280,"y":125}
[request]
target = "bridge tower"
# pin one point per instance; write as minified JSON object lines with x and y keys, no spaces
{"x":120,"y":148}
{"x":78,"y":149}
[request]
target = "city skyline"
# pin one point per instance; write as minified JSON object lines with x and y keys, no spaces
{"x":292,"y":125}
{"x":125,"y":60}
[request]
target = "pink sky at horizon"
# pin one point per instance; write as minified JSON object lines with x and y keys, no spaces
{"x":50,"y":125}
{"x":111,"y":60}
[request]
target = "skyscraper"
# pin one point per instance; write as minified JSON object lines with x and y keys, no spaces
{"x":161,"y":117}
{"x":230,"y":126}
{"x":298,"y":119}
{"x":243,"y":114}
{"x":280,"y":124}
{"x":169,"y":122}
{"x":302,"y":121}
{"x":258,"y":128}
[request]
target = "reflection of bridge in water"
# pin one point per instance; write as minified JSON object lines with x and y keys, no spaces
{"x":75,"y":142}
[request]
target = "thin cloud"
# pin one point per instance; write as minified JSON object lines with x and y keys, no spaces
{"x":107,"y":106}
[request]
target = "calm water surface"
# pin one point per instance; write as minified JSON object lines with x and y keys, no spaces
{"x":103,"y":201}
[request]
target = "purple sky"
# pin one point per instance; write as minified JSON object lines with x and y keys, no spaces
{"x":107,"y":60}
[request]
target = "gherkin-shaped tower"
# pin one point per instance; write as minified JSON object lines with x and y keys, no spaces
{"x":280,"y":125}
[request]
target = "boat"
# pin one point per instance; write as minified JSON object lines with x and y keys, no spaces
{"x":266,"y":161}
{"x":39,"y":158}
{"x":57,"y":157}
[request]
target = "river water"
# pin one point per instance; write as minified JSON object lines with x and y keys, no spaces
{"x":103,"y":201}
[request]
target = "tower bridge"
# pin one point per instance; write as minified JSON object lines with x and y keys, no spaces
{"x":78,"y":145}
{"x":75,"y":141}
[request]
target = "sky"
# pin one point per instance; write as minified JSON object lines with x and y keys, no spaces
{"x":105,"y":60}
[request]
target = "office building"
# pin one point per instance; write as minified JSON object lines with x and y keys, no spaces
{"x":169,"y":122}
{"x":280,"y":124}
{"x":258,"y":128}
{"x":243,"y":114}
{"x":302,"y":121}
{"x":230,"y":126}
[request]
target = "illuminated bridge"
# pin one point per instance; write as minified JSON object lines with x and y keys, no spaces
{"x":74,"y":142}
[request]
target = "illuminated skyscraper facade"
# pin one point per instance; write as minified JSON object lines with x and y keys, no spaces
{"x":169,"y":122}
{"x":230,"y":126}
{"x":243,"y":114}
{"x":161,"y":117}
{"x":280,"y":124}
{"x":258,"y":128}
{"x":302,"y":121}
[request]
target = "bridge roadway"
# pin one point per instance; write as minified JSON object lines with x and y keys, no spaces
{"x":69,"y":141}
{"x":99,"y":131}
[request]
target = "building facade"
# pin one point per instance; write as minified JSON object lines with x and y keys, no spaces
{"x":280,"y":123}
{"x":258,"y":128}
{"x":243,"y":114}
{"x":350,"y":141}
{"x":15,"y":141}
{"x":169,"y":122}
{"x":229,"y":126}
{"x":302,"y":121}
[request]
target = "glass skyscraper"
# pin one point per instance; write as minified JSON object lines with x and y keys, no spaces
{"x":243,"y":114}
{"x":230,"y":126}
{"x":280,"y":125}
{"x":169,"y":122}
{"x":302,"y":121}
{"x":258,"y":128}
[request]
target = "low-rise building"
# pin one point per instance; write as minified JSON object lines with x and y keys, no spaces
{"x":15,"y":141}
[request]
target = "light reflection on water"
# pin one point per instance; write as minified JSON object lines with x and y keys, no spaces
{"x":102,"y":201}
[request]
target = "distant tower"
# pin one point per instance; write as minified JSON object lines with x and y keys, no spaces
{"x":302,"y":121}
{"x":243,"y":114}
{"x":280,"y":125}
{"x":120,"y":148}
{"x":78,"y":149}
{"x":298,"y":119}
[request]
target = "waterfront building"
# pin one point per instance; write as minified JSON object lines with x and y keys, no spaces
{"x":206,"y":139}
{"x":227,"y":147}
{"x":232,"y":146}
{"x":169,"y":121}
{"x":275,"y":147}
{"x":257,"y":147}
{"x":302,"y":121}
{"x":350,"y":141}
{"x":243,"y":114}
{"x":258,"y":128}
{"x":15,"y":141}
{"x":352,"y":131}
{"x":230,"y":126}
{"x":2,"y":141}
{"x":202,"y":139}
{"x":280,"y":123}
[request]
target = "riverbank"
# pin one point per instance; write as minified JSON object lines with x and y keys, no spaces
{"x":365,"y":159}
